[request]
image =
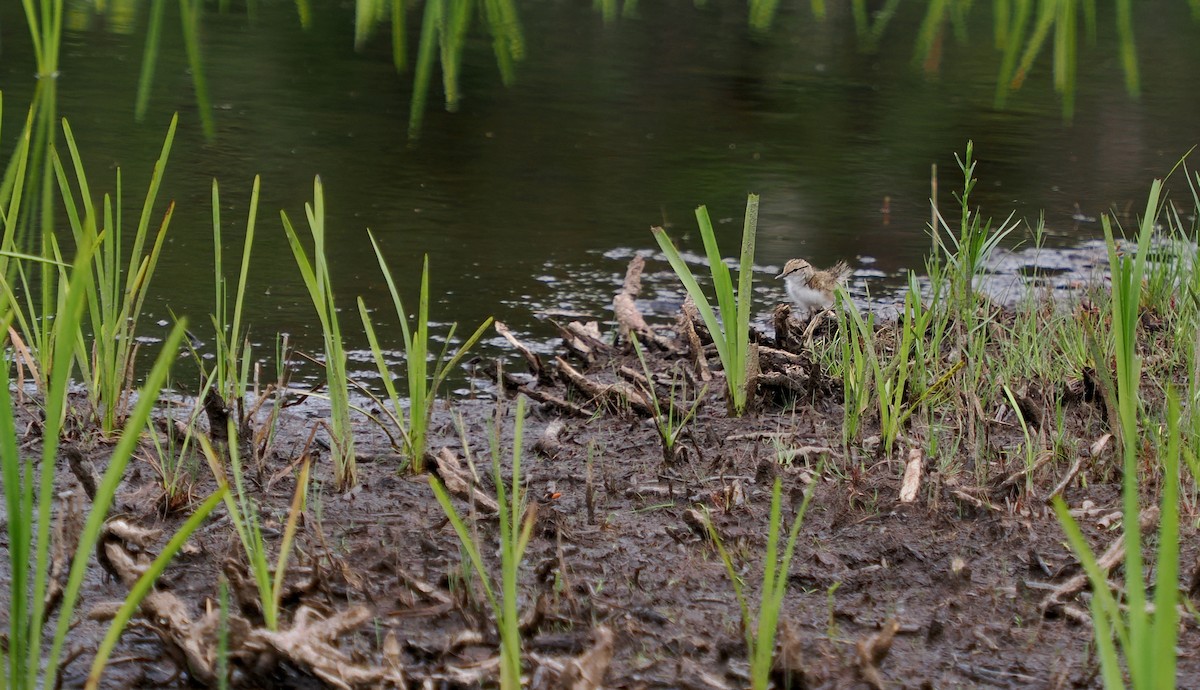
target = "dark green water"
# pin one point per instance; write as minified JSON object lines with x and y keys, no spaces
{"x":532,"y":198}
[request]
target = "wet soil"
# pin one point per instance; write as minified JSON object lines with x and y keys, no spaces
{"x":960,"y":573}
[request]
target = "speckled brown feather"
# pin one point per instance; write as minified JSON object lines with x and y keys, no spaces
{"x":828,"y":280}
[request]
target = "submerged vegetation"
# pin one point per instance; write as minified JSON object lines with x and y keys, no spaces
{"x":1021,"y":32}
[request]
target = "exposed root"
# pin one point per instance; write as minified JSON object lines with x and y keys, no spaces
{"x":531,"y":358}
{"x":583,"y":340}
{"x":629,"y":317}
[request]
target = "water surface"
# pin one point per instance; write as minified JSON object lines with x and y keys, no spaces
{"x":532,"y":198}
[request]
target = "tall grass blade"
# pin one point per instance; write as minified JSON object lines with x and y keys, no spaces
{"x":149,"y":59}
{"x":190,"y":12}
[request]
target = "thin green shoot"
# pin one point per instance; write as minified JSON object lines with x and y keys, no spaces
{"x":423,"y":382}
{"x":669,"y":424}
{"x":857,"y":351}
{"x":1029,"y":449}
{"x":243,"y":512}
{"x":760,"y":638}
{"x":966,"y":252}
{"x":167,"y":459}
{"x":1146,"y":640}
{"x":1126,"y":301}
{"x":234,"y":356}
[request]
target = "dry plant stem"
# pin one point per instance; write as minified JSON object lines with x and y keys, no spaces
{"x":582,"y":339}
{"x":586,"y":672}
{"x":459,"y":482}
{"x":912,"y":476}
{"x":687,"y":325}
{"x":872,"y":651}
{"x":1066,"y":480}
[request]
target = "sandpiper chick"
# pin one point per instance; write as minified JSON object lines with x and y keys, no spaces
{"x":810,"y":289}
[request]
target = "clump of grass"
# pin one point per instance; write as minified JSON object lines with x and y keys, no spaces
{"x":29,"y":495}
{"x":515,"y":532}
{"x":233,"y":356}
{"x":731,"y":332}
{"x":964,"y":254}
{"x":857,"y":349}
{"x":760,"y":637}
{"x":168,"y":458}
{"x":896,"y":379}
{"x":320,"y":288}
{"x":673,"y":421}
{"x":423,"y":383}
{"x":115,"y":293}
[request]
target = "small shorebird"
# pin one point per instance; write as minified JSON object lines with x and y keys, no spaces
{"x":810,"y":289}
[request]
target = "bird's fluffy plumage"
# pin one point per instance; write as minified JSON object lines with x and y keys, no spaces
{"x":810,"y":289}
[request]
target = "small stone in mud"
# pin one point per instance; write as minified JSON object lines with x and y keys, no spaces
{"x":960,"y":568}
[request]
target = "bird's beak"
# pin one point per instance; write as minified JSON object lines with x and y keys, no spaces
{"x":781,"y":275}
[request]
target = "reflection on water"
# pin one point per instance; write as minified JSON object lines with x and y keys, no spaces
{"x":531,"y":196}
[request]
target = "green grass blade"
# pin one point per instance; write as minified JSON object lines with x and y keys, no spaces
{"x":464,"y":537}
{"x":693,"y":289}
{"x":149,"y":59}
{"x":745,"y":291}
{"x":1160,"y":650}
{"x":65,"y":326}
{"x":107,"y":488}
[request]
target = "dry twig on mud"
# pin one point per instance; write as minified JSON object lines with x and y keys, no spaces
{"x":583,"y":340}
{"x":617,"y":395}
{"x":912,"y":476}
{"x":629,"y":317}
{"x":518,"y":384}
{"x":309,"y":643}
{"x":872,"y":651}
{"x":456,"y":480}
{"x":584,"y":672}
{"x":549,"y":445}
{"x":689,"y":323}
{"x":531,"y":358}
{"x":1012,"y":480}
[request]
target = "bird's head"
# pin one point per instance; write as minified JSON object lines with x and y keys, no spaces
{"x":797,"y":267}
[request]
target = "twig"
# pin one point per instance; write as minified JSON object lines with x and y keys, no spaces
{"x":531,"y":358}
{"x":617,"y":394}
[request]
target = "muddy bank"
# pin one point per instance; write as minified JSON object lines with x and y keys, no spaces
{"x":966,"y":583}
